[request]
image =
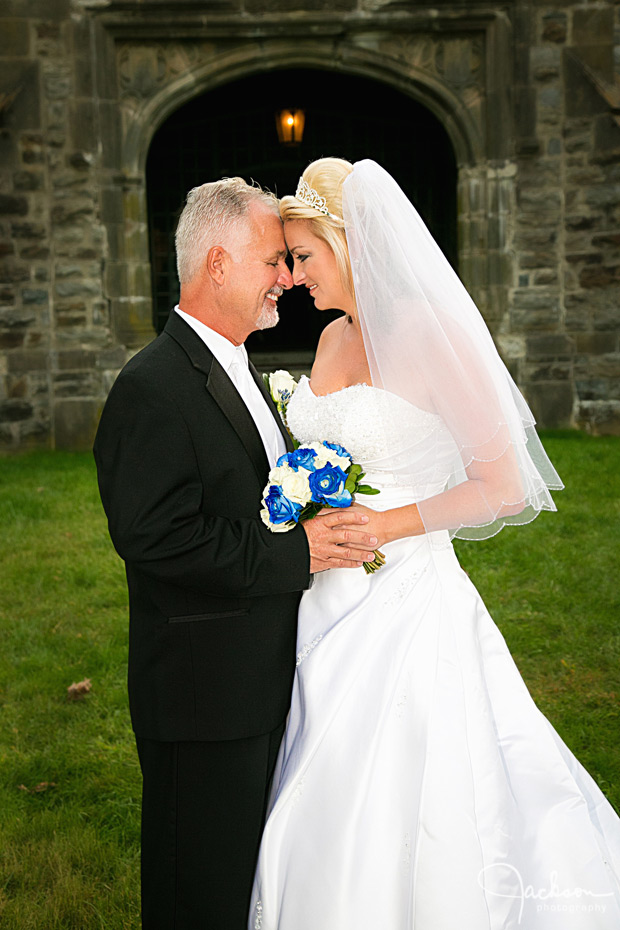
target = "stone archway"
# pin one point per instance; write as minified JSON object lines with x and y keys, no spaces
{"x":231,"y":130}
{"x":448,"y":74}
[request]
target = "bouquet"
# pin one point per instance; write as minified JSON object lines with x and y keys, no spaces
{"x":316,"y":475}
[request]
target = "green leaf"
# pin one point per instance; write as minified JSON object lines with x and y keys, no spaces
{"x":366,"y":489}
{"x":351,"y":484}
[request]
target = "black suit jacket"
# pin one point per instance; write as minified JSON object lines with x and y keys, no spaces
{"x":213,"y":594}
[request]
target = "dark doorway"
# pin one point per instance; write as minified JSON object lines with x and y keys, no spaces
{"x":231,"y":131}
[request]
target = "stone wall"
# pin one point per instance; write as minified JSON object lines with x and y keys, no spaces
{"x":58,"y":354}
{"x":528,"y":92}
{"x":565,"y":306}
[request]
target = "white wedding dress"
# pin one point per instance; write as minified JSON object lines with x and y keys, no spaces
{"x":418,"y":787}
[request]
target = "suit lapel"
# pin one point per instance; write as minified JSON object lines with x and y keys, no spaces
{"x":229,"y":400}
{"x":223,"y":391}
{"x":263,"y":389}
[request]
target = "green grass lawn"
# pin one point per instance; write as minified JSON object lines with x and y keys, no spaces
{"x":69,"y":854}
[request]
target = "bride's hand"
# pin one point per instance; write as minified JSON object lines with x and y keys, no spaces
{"x":378,"y":522}
{"x":388,"y":525}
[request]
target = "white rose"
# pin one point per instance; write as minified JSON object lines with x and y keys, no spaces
{"x":321,"y":458}
{"x":295,"y":486}
{"x":324,"y":455}
{"x":281,"y":384}
{"x":342,"y":460}
{"x":278,"y":475}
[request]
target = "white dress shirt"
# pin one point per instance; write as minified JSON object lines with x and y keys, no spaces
{"x":234,"y":361}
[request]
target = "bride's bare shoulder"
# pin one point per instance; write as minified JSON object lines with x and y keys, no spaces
{"x":331,"y":335}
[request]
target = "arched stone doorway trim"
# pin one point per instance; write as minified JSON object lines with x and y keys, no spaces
{"x":246,"y":60}
{"x":486,"y":180}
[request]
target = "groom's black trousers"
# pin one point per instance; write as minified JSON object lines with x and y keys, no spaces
{"x":203,"y":811}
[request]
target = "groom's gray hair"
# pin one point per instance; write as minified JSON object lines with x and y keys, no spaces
{"x":213,"y":215}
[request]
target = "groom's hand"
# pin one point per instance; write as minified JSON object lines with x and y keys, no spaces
{"x":332,"y":546}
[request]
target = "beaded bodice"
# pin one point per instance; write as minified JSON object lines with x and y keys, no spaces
{"x":382,"y":432}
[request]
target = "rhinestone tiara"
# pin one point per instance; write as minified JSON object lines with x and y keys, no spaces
{"x":311,"y":198}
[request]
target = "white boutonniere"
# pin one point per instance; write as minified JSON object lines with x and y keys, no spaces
{"x":281,"y":386}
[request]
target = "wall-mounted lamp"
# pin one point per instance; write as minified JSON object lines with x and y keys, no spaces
{"x":290,"y":126}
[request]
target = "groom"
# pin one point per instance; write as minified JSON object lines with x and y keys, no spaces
{"x":183,"y":451}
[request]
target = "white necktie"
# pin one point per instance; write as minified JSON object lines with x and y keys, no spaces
{"x":241,"y":377}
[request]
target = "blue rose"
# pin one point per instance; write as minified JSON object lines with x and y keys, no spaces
{"x":327,"y":487}
{"x":281,"y":509}
{"x":300,"y":458}
{"x":338,"y":449}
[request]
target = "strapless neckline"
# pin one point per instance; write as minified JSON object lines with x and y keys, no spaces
{"x":347,"y":387}
{"x":304,"y":379}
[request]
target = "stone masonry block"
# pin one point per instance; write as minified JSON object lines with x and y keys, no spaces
{"x":545,"y":61}
{"x":538,"y":259}
{"x":14,"y":38}
{"x":592,"y":388}
{"x":534,"y":299}
{"x":109,"y":133}
{"x":23,"y":75}
{"x":84,"y":129}
{"x":35,"y":253}
{"x":12,"y":271}
{"x":551,"y":345}
{"x":593,"y":26}
{"x":77,"y":384}
{"x":76,"y":423}
{"x":606,"y":139}
{"x":82,"y":288}
{"x":112,"y":206}
{"x":74,"y":360}
{"x":12,"y":411}
{"x":547,"y":371}
{"x":545,"y":277}
{"x":28,"y":230}
{"x":599,"y":276}
{"x":551,"y":402}
{"x":596,"y":343}
{"x":67,"y":214}
{"x":535,"y":237}
{"x":580,"y":221}
{"x":535,"y":201}
{"x":57,"y":81}
{"x":27,"y":361}
{"x":550,"y":97}
{"x":554,"y":27}
{"x":13,"y":206}
{"x":84,"y":269}
{"x":11,"y":338}
{"x":606,"y":366}
{"x":582,"y":99}
{"x":28,"y":180}
{"x":31,"y":295}
{"x":8,"y":148}
{"x":603,"y":195}
{"x":599,"y":417}
{"x":113,"y":358}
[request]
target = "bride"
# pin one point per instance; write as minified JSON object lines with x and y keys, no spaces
{"x":418,"y":787}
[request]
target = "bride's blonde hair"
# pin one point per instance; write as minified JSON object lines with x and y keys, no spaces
{"x":326,"y":176}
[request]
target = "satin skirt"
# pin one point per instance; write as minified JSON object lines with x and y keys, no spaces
{"x":418,"y":787}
